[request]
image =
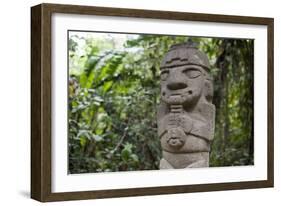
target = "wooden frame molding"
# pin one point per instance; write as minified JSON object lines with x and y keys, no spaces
{"x":41,"y":101}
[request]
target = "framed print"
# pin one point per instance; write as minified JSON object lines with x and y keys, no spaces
{"x":129,"y":102}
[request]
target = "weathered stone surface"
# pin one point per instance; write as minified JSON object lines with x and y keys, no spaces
{"x":186,"y":115}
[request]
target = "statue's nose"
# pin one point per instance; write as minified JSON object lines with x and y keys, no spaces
{"x":175,"y":84}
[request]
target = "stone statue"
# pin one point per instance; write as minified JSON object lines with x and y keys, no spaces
{"x":186,"y":115}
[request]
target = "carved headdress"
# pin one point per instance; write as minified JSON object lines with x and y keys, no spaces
{"x":185,"y":54}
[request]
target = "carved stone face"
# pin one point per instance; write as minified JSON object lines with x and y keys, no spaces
{"x":182,"y":85}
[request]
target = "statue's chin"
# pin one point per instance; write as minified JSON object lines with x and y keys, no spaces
{"x":175,"y":99}
{"x":181,"y":99}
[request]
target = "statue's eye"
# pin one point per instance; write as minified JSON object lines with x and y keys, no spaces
{"x":164,"y":75}
{"x":192,"y":73}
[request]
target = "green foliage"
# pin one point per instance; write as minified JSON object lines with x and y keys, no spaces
{"x":114,"y":92}
{"x":233,"y":97}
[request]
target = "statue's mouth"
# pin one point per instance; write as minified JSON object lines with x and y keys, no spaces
{"x":175,"y":95}
{"x":178,"y":97}
{"x":182,"y":93}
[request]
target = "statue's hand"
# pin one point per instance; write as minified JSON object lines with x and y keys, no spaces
{"x":176,"y":137}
